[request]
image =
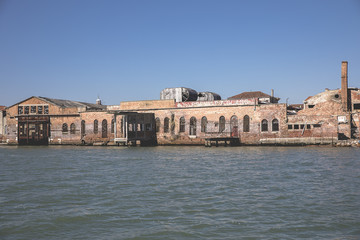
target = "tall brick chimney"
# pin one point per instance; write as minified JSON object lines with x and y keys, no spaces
{"x":344,"y":86}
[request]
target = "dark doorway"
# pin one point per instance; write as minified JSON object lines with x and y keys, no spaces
{"x":104,"y":129}
{"x":33,"y":130}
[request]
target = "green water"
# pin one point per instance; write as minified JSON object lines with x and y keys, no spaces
{"x":179,"y":193}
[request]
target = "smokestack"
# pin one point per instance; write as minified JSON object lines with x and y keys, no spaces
{"x":272,"y":92}
{"x":344,"y":86}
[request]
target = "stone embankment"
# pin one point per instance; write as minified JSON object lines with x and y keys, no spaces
{"x":348,"y":143}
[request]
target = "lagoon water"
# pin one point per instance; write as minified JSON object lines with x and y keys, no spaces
{"x":66,"y":192}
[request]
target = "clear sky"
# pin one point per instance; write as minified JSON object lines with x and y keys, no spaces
{"x":126,"y":50}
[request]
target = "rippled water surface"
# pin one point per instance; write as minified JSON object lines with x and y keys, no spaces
{"x":179,"y":193}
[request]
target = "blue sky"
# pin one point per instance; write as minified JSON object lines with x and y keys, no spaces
{"x":131,"y":50}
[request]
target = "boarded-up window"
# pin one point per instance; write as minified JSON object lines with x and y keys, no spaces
{"x":166,"y":125}
{"x":192,"y":130}
{"x":112,"y":125}
{"x":246,"y":124}
{"x":26,"y":109}
{"x":221,"y":124}
{"x":204,"y":123}
{"x":234,"y":126}
{"x":275,"y":125}
{"x":72,"y":128}
{"x":96,"y":126}
{"x":64,"y":128}
{"x":264,"y":125}
{"x":104,"y":128}
{"x":157,"y":124}
{"x":40,"y":109}
{"x":33,"y":109}
{"x":20,"y":110}
{"x":46,"y":109}
{"x":82,"y":128}
{"x":182,"y":124}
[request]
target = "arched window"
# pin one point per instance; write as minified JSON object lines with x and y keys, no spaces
{"x":96,"y":126}
{"x":64,"y":128}
{"x":157,"y":124}
{"x":82,"y":128}
{"x":112,"y":125}
{"x":264,"y":125}
{"x":166,"y":125}
{"x":104,"y":128}
{"x":275,"y":125}
{"x":221,"y":124}
{"x":246,"y":124}
{"x":204,"y":123}
{"x":172,"y":124}
{"x":182,"y":124}
{"x":72,"y":128}
{"x":234,"y":126}
{"x":192,"y":130}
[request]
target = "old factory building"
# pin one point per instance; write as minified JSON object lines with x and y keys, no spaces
{"x":185,"y":116}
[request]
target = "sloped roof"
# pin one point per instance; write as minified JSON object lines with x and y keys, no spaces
{"x":2,"y":108}
{"x":295,"y":106}
{"x":247,"y":95}
{"x":66,"y":103}
{"x":70,"y":104}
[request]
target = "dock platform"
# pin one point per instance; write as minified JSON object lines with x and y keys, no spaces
{"x":232,"y":141}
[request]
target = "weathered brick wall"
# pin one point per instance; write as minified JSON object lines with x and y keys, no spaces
{"x":256,"y":114}
{"x":57,"y":136}
{"x":151,"y":104}
{"x":2,"y":124}
{"x":89,"y":118}
{"x":320,"y":126}
{"x":58,"y":116}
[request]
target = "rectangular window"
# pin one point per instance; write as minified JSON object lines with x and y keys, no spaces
{"x":296,"y":126}
{"x":40,"y":109}
{"x":20,"y":110}
{"x":290,"y":126}
{"x":302,"y":126}
{"x":356,"y":106}
{"x":33,"y":109}
{"x":26,"y":109}
{"x":311,"y":106}
{"x":46,"y":109}
{"x":308,"y":126}
{"x":317,"y":125}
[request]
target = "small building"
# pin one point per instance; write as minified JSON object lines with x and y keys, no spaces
{"x":41,"y":120}
{"x":260,"y":96}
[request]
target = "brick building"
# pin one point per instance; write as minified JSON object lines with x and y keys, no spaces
{"x":2,"y":122}
{"x":182,"y":118}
